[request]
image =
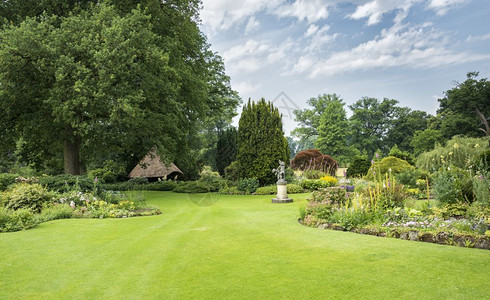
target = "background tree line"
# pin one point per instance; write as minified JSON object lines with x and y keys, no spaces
{"x":379,"y":125}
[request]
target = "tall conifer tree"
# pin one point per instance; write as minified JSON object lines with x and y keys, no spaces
{"x":261,"y":141}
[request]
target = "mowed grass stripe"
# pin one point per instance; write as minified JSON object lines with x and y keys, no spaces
{"x":240,"y":247}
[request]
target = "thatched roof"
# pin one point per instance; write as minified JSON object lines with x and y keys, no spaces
{"x":152,"y":167}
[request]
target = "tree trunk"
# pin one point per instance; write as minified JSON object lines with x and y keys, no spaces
{"x":71,"y":153}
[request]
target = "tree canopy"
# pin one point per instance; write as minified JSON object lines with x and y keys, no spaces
{"x":110,"y":80}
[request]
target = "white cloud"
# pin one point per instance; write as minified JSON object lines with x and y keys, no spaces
{"x":311,"y":30}
{"x":218,"y":15}
{"x":374,"y":10}
{"x":310,"y":10}
{"x":252,"y":25}
{"x":318,"y":39}
{"x":246,"y":88}
{"x":400,"y":46}
{"x":250,"y":48}
{"x":478,"y":38}
{"x":443,"y":6}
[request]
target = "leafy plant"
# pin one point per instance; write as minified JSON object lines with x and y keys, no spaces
{"x":453,"y":186}
{"x":359,"y":167}
{"x":20,"y":219}
{"x":28,"y":196}
{"x":7,"y":179}
{"x":390,"y":164}
{"x":248,"y":185}
{"x":314,"y":184}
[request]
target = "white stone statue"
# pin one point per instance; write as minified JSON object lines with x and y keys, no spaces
{"x":281,"y":172}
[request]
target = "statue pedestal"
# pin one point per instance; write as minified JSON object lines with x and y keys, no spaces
{"x":282,"y":193}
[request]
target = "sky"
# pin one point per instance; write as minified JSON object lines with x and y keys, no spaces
{"x":290,"y":51}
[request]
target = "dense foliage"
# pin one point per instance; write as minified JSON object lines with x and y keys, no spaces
{"x":141,"y":76}
{"x":261,"y":142}
{"x":226,"y":148}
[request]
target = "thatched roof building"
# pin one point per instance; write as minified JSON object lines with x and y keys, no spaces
{"x":153,"y":168}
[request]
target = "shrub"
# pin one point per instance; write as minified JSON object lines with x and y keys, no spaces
{"x":7,"y":179}
{"x":314,"y":184}
{"x":211,"y":179}
{"x":272,"y":189}
{"x":137,"y":181}
{"x":266,"y":190}
{"x":359,"y":167}
{"x":54,"y":212}
{"x":314,"y":174}
{"x":458,"y":152}
{"x":233,"y":190}
{"x":232,"y":172}
{"x":248,"y":185}
{"x":294,"y":189}
{"x":453,"y":186}
{"x":330,"y":179}
{"x":161,"y":186}
{"x":20,"y":219}
{"x":192,"y":187}
{"x":482,"y":161}
{"x":388,"y":164}
{"x":29,"y":196}
{"x":412,"y":178}
{"x":332,"y":195}
{"x":320,"y":211}
{"x":350,"y":218}
{"x":110,"y":173}
{"x":396,"y":152}
{"x":65,"y":183}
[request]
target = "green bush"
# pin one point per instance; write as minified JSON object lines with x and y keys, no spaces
{"x":66,"y":183}
{"x":165,"y":185}
{"x":353,"y":218}
{"x":192,"y":187}
{"x":232,"y":172}
{"x":314,"y":184}
{"x":248,"y":185}
{"x":388,"y":164}
{"x":233,"y":190}
{"x":161,"y":186}
{"x":266,"y":190}
{"x":29,"y":196}
{"x":16,"y":220}
{"x":320,"y":211}
{"x":54,"y":212}
{"x":7,"y":179}
{"x":272,"y":189}
{"x":482,"y":162}
{"x":458,"y":152}
{"x":396,"y":152}
{"x":359,"y":167}
{"x":453,"y":186}
{"x":314,"y":174}
{"x":111,"y":172}
{"x":411,"y":178}
{"x":137,"y":181}
{"x":332,"y":195}
{"x":294,"y":189}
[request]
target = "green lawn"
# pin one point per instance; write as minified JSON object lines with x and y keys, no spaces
{"x":240,"y":247}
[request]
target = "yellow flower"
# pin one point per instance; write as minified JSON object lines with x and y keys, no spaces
{"x":456,"y":145}
{"x":450,"y":153}
{"x":476,"y":146}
